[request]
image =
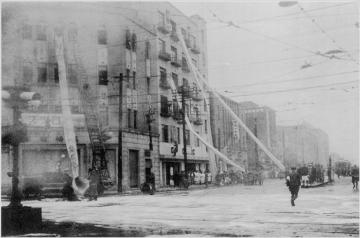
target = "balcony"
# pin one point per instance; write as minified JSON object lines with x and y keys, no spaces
{"x":195,"y":95}
{"x":164,"y":84}
{"x":165,"y":113}
{"x":165,"y":29}
{"x":175,"y":62}
{"x":195,"y":49}
{"x":164,"y":56}
{"x":198,"y":121}
{"x":174,"y":36}
{"x":186,"y":90}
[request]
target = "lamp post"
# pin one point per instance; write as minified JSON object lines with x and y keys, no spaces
{"x":15,"y":217}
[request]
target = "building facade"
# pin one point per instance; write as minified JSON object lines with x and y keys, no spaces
{"x":171,"y":65}
{"x":228,"y":137}
{"x":105,"y":44}
{"x":302,"y":145}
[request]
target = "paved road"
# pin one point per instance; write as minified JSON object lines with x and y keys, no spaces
{"x":227,"y":211}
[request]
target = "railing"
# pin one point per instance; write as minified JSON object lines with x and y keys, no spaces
{"x":164,"y":84}
{"x":195,"y":95}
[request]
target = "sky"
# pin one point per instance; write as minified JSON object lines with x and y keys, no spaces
{"x":270,"y":55}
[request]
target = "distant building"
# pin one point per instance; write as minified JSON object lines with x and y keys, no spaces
{"x":228,"y":137}
{"x":302,"y":145}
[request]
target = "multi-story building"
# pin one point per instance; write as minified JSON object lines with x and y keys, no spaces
{"x":302,"y":145}
{"x":228,"y":137}
{"x":262,"y":122}
{"x":171,"y":64}
{"x":102,"y":41}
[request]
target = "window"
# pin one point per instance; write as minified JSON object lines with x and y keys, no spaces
{"x":27,"y":31}
{"x":72,"y":73}
{"x":103,"y":75}
{"x":161,"y":19}
{"x":183,"y":32}
{"x":56,"y":73}
{"x":134,"y":80}
{"x":128,"y":77}
{"x":42,"y":73}
{"x":102,"y":39}
{"x":175,"y":79}
{"x":163,"y":75}
{"x":192,"y":41}
{"x":219,"y":145}
{"x":41,"y":32}
{"x":178,"y":135}
{"x":135,"y":119}
{"x":205,"y":106}
{"x":162,"y":45}
{"x":129,"y":117}
{"x":27,"y":72}
{"x":187,"y":133}
{"x":147,"y":50}
{"x":173,"y":27}
{"x":148,"y":84}
{"x":194,"y":62}
{"x":165,"y":133}
{"x":133,"y":42}
{"x":205,"y":124}
{"x":164,"y":107}
{"x":173,"y":53}
{"x":128,"y":39}
{"x":197,"y":143}
{"x":185,"y":82}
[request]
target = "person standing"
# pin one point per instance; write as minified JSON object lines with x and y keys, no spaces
{"x":293,"y":181}
{"x":355,"y":176}
{"x":94,"y":180}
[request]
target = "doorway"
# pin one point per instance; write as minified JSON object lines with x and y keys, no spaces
{"x":134,"y":168}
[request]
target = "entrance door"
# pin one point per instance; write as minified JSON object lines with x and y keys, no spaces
{"x":134,"y":168}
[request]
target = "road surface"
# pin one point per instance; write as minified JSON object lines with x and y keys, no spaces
{"x":236,"y":210}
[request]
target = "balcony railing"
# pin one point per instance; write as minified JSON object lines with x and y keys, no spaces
{"x":186,"y":90}
{"x":165,"y":29}
{"x":164,"y":56}
{"x":174,"y":36}
{"x":164,"y":84}
{"x":175,"y":62}
{"x":165,"y":113}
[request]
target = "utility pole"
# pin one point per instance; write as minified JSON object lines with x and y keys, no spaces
{"x":256,"y":148}
{"x":184,"y":130}
{"x":120,"y":77}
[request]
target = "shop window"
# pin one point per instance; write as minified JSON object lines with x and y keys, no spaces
{"x":42,"y":73}
{"x":72,"y":73}
{"x":147,"y":50}
{"x":165,"y":133}
{"x":27,"y":73}
{"x":135,"y":119}
{"x":129,"y":118}
{"x":103,"y":75}
{"x":102,"y":37}
{"x":41,"y":32}
{"x":187,"y":133}
{"x":27,"y":31}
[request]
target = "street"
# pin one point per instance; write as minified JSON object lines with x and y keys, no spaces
{"x":236,"y":210}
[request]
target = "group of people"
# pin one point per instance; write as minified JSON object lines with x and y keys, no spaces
{"x":200,"y":177}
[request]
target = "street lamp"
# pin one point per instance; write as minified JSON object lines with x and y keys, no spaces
{"x":15,"y":217}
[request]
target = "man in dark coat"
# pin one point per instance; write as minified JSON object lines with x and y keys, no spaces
{"x":355,"y":176}
{"x":94,"y":180}
{"x":293,"y":181}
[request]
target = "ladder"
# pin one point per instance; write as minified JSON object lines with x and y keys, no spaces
{"x":89,"y":104}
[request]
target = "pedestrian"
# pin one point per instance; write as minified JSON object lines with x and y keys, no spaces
{"x":355,"y":177}
{"x":293,"y":181}
{"x":94,"y":180}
